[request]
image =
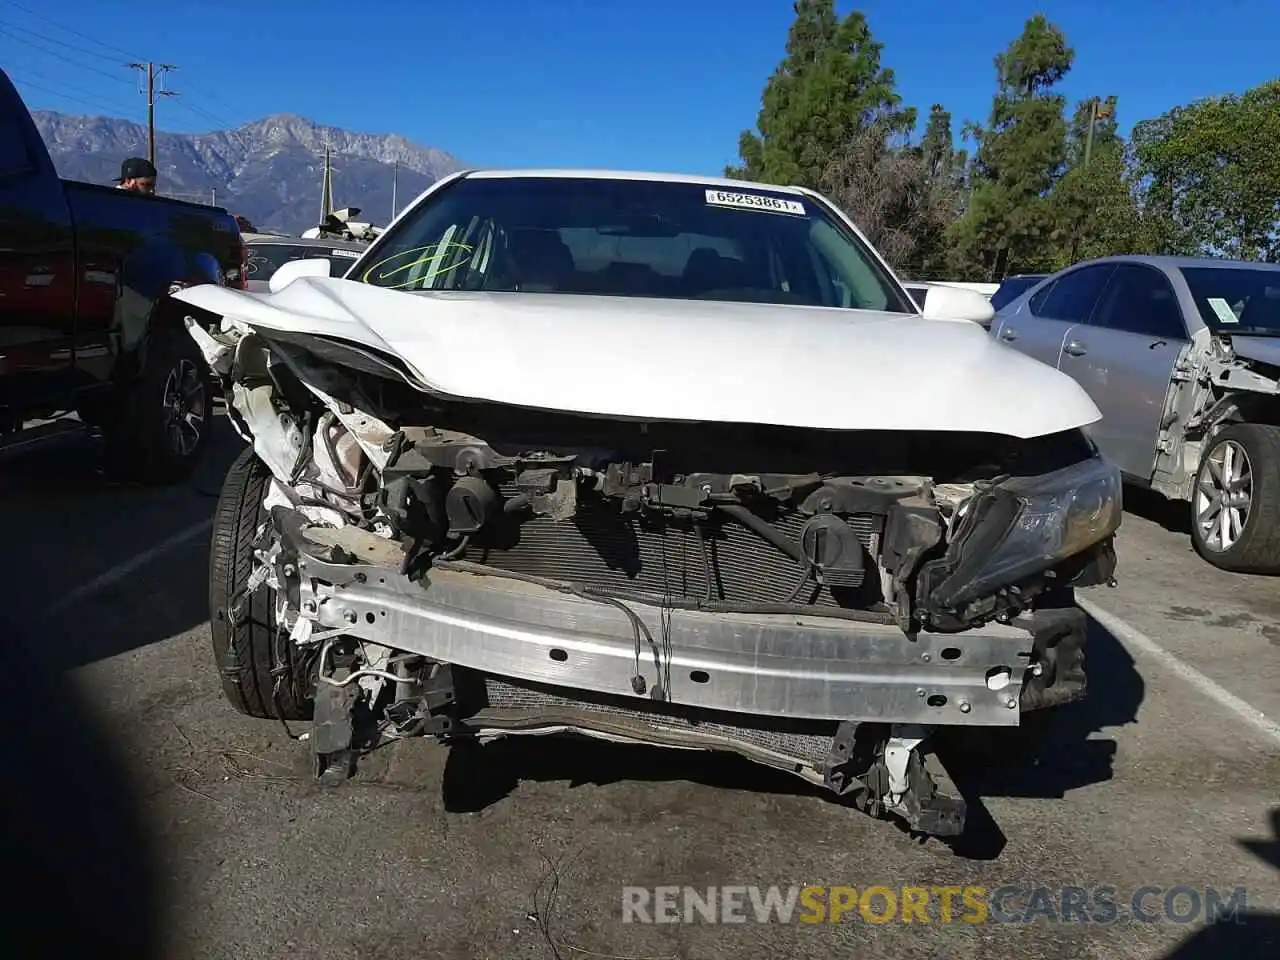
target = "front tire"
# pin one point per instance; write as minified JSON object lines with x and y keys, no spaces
{"x":262,"y":673}
{"x":1235,"y":504}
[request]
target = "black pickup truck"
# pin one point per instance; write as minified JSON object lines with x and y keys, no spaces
{"x":86,"y":321}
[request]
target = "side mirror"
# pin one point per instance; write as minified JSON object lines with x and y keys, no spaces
{"x":291,"y":271}
{"x":956,"y":303}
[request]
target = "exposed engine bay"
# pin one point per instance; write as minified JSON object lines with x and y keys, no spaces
{"x":817,"y":600}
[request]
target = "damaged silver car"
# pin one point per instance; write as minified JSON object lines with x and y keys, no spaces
{"x":1182,"y":356}
{"x":655,"y":459}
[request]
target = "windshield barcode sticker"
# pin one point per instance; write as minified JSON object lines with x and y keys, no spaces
{"x":349,"y":254}
{"x":754,"y":201}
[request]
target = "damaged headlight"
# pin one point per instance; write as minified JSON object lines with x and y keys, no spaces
{"x":1026,"y":525}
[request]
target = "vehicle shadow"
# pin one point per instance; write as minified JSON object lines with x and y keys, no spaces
{"x":89,"y":882}
{"x":476,"y":777}
{"x":1067,"y":759}
{"x":106,"y":566}
{"x":1174,"y":516}
{"x":1250,"y":934}
{"x":1068,"y":756}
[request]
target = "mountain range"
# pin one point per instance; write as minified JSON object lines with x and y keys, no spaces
{"x":269,"y":170}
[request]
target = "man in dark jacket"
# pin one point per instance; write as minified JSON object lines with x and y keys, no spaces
{"x":137,"y":174}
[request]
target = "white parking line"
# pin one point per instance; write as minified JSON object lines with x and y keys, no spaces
{"x":122,"y":570}
{"x":1220,"y":695}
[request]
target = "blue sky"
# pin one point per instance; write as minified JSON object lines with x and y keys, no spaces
{"x":662,"y":85}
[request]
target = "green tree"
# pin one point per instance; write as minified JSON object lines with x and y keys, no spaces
{"x":937,"y":149}
{"x":1095,"y":207}
{"x":1097,"y":211}
{"x":1211,"y":174}
{"x":829,"y":86}
{"x":940,"y":197}
{"x":1008,"y":220}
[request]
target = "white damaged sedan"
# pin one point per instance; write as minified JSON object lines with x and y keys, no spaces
{"x":657,"y":459}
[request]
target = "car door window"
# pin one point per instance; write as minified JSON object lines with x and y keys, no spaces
{"x":1072,"y":297}
{"x":1140,"y":300}
{"x":1036,"y":303}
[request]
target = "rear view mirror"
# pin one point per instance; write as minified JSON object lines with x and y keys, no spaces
{"x":291,"y":271}
{"x":956,"y":303}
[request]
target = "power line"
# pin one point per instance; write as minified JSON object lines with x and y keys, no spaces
{"x":64,"y":58}
{"x":205,"y":114}
{"x":127,"y":112}
{"x":97,"y":105}
{"x":82,"y":36}
{"x":210,"y":97}
{"x":61,"y":43}
{"x":6,"y":28}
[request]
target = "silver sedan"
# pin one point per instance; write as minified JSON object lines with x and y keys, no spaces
{"x":1182,"y":356}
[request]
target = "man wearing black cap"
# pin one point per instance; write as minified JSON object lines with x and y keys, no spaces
{"x":137,"y":174}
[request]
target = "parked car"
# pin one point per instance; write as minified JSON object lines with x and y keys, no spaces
{"x":268,"y":252}
{"x":1182,"y":356}
{"x":663,"y":459}
{"x":86,"y":320}
{"x":1013,"y":287}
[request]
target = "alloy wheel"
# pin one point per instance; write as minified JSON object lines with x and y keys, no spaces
{"x":1224,"y":495}
{"x":185,"y":407}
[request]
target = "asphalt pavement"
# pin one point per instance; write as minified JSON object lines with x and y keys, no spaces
{"x":1169,"y":776}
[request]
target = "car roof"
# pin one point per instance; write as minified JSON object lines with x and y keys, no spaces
{"x":303,"y":241}
{"x":1169,"y":262}
{"x":593,"y":174}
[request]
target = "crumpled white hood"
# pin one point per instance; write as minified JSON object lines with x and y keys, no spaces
{"x":682,"y":359}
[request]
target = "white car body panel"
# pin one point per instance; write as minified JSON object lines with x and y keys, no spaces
{"x":653,"y":359}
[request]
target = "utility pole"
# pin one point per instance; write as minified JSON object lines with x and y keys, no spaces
{"x":395,"y":178}
{"x":154,"y":70}
{"x":1097,"y":111}
{"x":326,"y":186}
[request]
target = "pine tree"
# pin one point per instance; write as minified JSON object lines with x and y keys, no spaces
{"x":828,"y":87}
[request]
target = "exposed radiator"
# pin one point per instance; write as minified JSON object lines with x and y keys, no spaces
{"x":604,"y":547}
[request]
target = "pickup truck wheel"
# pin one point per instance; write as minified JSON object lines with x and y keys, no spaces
{"x":261,"y":673}
{"x":160,"y":431}
{"x":1235,"y":505}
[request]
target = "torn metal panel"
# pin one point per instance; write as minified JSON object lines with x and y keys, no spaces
{"x":1212,"y":385}
{"x":277,"y":438}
